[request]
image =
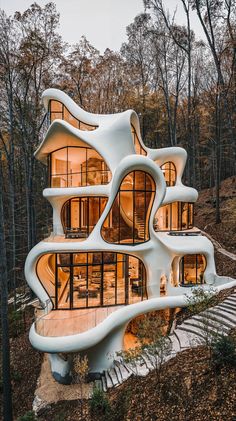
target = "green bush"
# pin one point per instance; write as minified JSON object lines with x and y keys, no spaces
{"x":224,"y":351}
{"x":201,"y":299}
{"x":29,"y":416}
{"x":99,"y":405}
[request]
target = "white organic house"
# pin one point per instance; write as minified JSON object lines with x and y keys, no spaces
{"x":123,"y":240}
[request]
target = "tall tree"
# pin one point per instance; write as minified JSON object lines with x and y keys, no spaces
{"x":6,"y":373}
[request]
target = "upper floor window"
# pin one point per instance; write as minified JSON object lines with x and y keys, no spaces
{"x":138,"y":147}
{"x":169,"y":172}
{"x":128,"y":219}
{"x":77,"y":166}
{"x":81,"y":214}
{"x":57,"y":110}
{"x":174,"y":217}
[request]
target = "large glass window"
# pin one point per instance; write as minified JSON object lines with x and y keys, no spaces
{"x":169,"y":172}
{"x":191,"y":269}
{"x":138,"y":147}
{"x":128,"y":219}
{"x":81,"y":214}
{"x":57,"y":110}
{"x":175,"y":216}
{"x":77,"y":166}
{"x":81,"y":280}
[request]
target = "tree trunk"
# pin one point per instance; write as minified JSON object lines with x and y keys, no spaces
{"x":6,"y":373}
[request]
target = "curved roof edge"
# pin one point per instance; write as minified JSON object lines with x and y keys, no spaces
{"x":85,"y":116}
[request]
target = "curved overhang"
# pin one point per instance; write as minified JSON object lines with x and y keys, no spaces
{"x":180,"y":194}
{"x":100,"y":120}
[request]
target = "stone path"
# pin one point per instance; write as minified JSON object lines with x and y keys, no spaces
{"x":192,"y":332}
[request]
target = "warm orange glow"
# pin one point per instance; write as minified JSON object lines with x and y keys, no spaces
{"x":191,"y":269}
{"x":174,"y":216}
{"x":76,"y":166}
{"x":169,"y":172}
{"x":81,"y":214}
{"x":138,"y":147}
{"x":57,"y":110}
{"x":94,"y":279}
{"x":127,"y":221}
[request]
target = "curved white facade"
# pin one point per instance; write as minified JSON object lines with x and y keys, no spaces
{"x":112,"y":139}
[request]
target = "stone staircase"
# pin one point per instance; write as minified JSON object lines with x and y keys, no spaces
{"x":192,"y":332}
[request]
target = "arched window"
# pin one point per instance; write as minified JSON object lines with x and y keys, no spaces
{"x":94,"y":279}
{"x":169,"y":172}
{"x":174,"y":216}
{"x":81,"y":214}
{"x":128,"y":219}
{"x":75,"y":166}
{"x":57,"y":110}
{"x":191,"y":269}
{"x":138,"y":147}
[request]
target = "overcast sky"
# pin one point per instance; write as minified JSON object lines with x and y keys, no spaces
{"x":103,"y":22}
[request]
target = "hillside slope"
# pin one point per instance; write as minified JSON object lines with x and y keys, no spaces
{"x":225,"y":232}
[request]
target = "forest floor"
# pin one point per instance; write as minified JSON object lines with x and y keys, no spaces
{"x":190,"y":388}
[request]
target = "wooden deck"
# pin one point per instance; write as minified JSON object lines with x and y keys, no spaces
{"x":71,"y":322}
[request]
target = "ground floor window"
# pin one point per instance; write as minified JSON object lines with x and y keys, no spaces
{"x":95,"y":279}
{"x":191,"y":269}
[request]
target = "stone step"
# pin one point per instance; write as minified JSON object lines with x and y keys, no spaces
{"x":231,"y":302}
{"x":149,"y":361}
{"x":109,"y":383}
{"x":104,"y":385}
{"x":113,"y":376}
{"x":196,"y":331}
{"x":227,"y":316}
{"x":125,"y":374}
{"x":175,"y":344}
{"x":206,"y":322}
{"x":118,"y":373}
{"x":139,"y":369}
{"x":229,"y":307}
{"x":185,"y":340}
{"x":219,"y":318}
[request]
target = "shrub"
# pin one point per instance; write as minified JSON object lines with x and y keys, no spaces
{"x":224,"y":351}
{"x":29,"y":416}
{"x":201,"y":299}
{"x":99,"y":405}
